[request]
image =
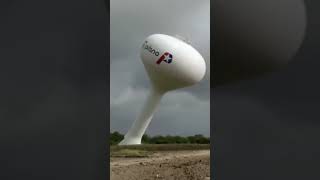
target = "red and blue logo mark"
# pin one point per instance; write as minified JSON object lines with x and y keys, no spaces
{"x":166,"y":57}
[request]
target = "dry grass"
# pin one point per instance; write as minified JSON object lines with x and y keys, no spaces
{"x":147,"y":149}
{"x":130,"y":153}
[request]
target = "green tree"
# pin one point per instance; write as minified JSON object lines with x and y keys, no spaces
{"x":115,"y":138}
{"x":181,"y":140}
{"x":145,"y":139}
{"x":159,"y":140}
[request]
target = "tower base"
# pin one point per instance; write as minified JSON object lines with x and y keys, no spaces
{"x":130,"y":141}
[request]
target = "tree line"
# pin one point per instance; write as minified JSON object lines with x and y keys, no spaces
{"x":116,"y":137}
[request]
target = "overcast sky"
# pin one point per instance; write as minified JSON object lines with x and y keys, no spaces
{"x":182,"y":112}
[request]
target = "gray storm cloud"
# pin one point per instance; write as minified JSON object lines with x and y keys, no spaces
{"x":182,"y":112}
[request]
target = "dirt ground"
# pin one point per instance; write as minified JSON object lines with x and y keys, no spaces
{"x":168,"y":165}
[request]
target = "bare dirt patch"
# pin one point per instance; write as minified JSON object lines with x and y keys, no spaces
{"x":168,"y":165}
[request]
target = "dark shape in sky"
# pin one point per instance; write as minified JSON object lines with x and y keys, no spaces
{"x":268,"y":127}
{"x":252,"y":37}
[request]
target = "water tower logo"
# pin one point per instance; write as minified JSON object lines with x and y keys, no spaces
{"x":166,"y":57}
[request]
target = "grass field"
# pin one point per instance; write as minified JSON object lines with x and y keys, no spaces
{"x":145,"y":150}
{"x":162,"y":147}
